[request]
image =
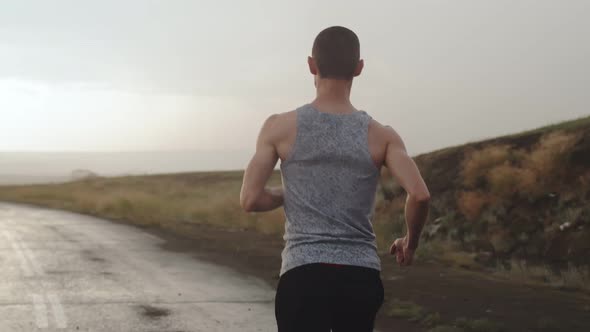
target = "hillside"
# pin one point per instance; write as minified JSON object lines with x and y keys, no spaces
{"x":522,"y":196}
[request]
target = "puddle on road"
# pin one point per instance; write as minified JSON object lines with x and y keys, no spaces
{"x":153,"y":312}
{"x":91,"y":256}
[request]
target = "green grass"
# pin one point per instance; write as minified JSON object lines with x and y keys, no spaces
{"x":413,"y":312}
{"x":478,"y":325}
{"x":469,"y":325}
{"x":431,"y":319}
{"x":405,"y":310}
{"x":446,"y":328}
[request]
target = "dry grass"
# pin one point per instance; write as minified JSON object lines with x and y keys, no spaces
{"x":478,"y":162}
{"x":164,"y":201}
{"x":548,"y":155}
{"x":167,"y":201}
{"x":471,"y":203}
{"x":505,"y":180}
{"x":505,"y":170}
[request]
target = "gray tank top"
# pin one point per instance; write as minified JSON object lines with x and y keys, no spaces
{"x":330,"y":182}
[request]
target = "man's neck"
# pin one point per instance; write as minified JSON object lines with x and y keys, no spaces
{"x":335,"y":92}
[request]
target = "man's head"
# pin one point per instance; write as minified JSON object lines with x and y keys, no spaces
{"x":336,"y":54}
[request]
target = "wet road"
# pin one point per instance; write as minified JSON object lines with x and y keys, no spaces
{"x":67,"y":272}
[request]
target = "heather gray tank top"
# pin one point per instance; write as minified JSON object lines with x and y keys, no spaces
{"x":330,"y":182}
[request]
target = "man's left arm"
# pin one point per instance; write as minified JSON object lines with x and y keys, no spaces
{"x":255,"y":196}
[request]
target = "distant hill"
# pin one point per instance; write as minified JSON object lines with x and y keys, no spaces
{"x":11,"y":179}
{"x":82,"y":174}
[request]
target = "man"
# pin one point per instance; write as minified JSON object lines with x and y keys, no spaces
{"x":331,"y":155}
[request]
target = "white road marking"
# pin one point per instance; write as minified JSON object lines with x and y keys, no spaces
{"x":19,"y":253}
{"x":26,"y":258}
{"x":58,"y":312}
{"x":29,"y":254}
{"x":8,"y":223}
{"x":40,"y":311}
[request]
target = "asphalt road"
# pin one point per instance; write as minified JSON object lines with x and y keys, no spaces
{"x":66,"y":272}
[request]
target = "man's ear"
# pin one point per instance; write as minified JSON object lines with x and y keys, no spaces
{"x":313,"y":68}
{"x":359,"y":67}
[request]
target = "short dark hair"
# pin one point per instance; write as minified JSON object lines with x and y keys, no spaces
{"x":336,"y":51}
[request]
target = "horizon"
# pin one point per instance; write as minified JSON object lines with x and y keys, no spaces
{"x":62,"y":166}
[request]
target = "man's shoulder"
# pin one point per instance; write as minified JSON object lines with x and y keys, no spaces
{"x":277,"y":125}
{"x":384,"y":133}
{"x":291,"y":115}
{"x":380,"y":128}
{"x":278,"y":119}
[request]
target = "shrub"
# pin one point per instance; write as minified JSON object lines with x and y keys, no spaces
{"x":550,"y":153}
{"x":477,"y":162}
{"x":505,"y":180}
{"x":471,"y":203}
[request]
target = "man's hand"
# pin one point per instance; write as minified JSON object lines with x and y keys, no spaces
{"x":403,"y":253}
{"x":277,"y":194}
{"x":276,"y":191}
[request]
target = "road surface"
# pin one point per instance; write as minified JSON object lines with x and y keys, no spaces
{"x":67,"y":272}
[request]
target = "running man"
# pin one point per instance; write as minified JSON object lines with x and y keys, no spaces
{"x":331,"y":156}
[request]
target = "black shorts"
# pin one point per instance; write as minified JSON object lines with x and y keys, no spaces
{"x":319,"y":297}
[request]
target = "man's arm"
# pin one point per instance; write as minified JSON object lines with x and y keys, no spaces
{"x":254,"y":196}
{"x":406,"y":173}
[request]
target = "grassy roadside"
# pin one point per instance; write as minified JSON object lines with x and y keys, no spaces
{"x":161,"y":200}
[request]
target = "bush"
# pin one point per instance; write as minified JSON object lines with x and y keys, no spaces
{"x":471,"y":203}
{"x":550,"y":153}
{"x":505,"y":180}
{"x":477,"y":162}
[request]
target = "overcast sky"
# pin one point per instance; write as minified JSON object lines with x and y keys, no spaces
{"x":203,"y":75}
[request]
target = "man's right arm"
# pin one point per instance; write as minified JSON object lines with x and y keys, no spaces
{"x":406,"y":173}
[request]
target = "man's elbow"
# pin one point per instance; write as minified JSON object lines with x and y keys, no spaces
{"x":422,"y":197}
{"x":248,"y":202}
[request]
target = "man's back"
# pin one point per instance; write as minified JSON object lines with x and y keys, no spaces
{"x":329,"y":180}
